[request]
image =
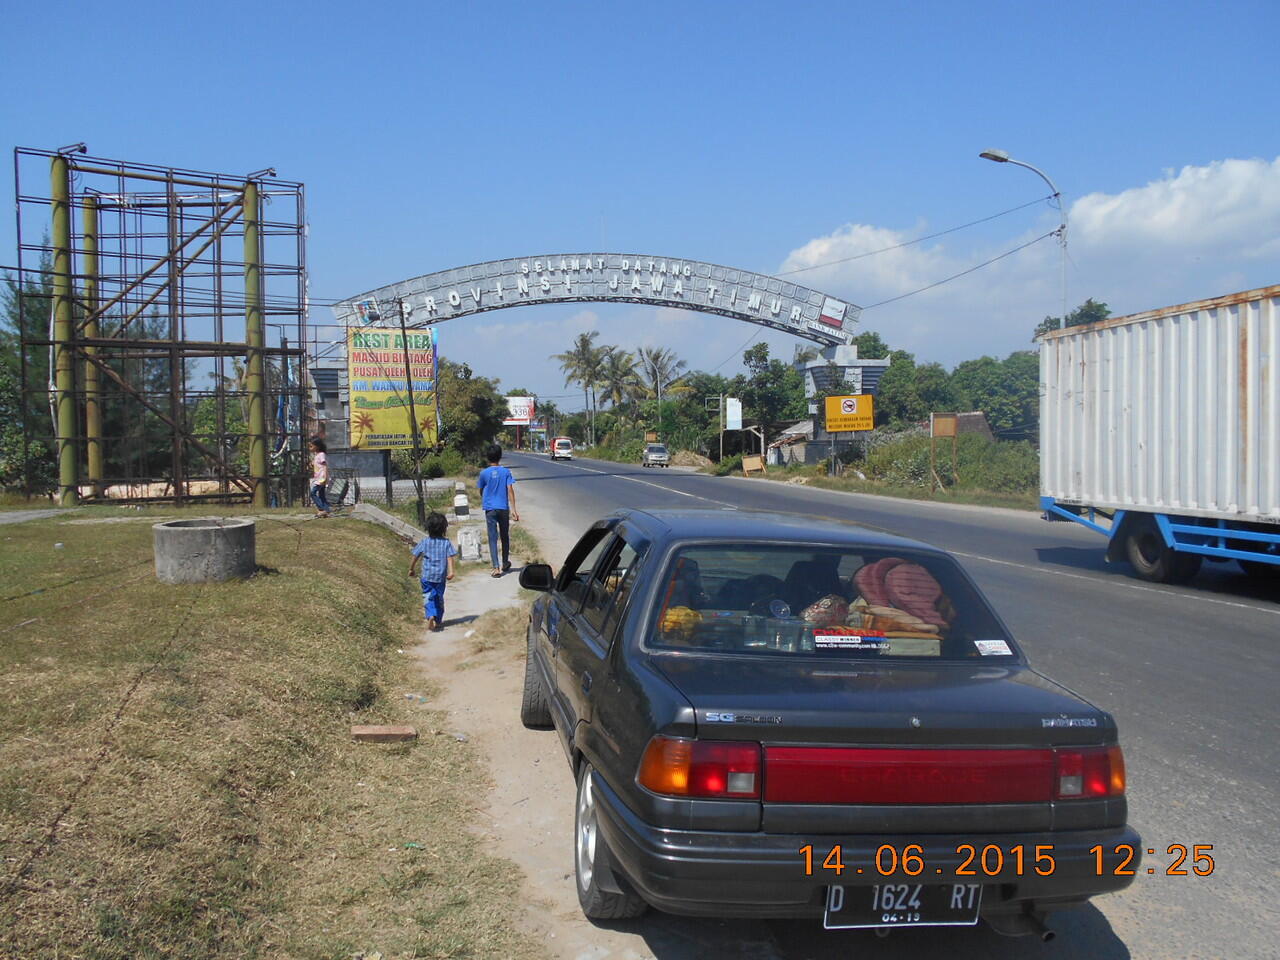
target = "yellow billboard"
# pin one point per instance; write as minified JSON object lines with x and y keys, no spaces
{"x":379,"y":395}
{"x":856,"y":412}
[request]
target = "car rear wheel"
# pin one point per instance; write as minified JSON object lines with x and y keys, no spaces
{"x":1153,"y":560}
{"x":591,"y":863}
{"x":535,"y":713}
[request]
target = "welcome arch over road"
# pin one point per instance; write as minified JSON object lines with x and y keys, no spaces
{"x":608,"y":278}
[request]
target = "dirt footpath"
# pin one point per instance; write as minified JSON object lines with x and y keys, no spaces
{"x":530,"y":813}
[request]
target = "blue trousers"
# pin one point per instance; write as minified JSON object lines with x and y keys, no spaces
{"x":318,"y":497}
{"x":498,"y":525}
{"x":433,"y":599}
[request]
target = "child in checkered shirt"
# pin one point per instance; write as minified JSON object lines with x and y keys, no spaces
{"x":436,"y":553}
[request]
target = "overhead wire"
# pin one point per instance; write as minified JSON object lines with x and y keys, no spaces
{"x":962,"y":273}
{"x":908,"y":243}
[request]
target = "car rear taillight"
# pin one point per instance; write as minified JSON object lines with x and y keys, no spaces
{"x":1089,"y":772}
{"x":678,"y":767}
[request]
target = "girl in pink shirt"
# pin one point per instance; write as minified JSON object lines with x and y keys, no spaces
{"x":319,"y":477}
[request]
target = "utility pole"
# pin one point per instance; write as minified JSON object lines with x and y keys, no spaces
{"x":413,"y":419}
{"x":722,"y":426}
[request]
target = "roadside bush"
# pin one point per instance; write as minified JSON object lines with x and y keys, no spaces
{"x":727,"y":466}
{"x":998,"y":466}
{"x":628,"y":451}
{"x":447,"y":463}
{"x":1002,"y":466}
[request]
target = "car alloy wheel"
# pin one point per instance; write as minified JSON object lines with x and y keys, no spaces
{"x":591,"y":862}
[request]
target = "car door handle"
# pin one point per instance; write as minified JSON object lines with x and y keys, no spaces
{"x":586,"y":683}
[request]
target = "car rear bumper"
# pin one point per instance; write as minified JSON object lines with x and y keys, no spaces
{"x":726,"y":874}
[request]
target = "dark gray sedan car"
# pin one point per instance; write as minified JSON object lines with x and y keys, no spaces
{"x":770,"y":716}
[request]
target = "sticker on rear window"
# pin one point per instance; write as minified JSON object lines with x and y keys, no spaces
{"x":860,"y":640}
{"x":993,"y":648}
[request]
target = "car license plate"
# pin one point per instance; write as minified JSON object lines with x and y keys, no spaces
{"x":903,"y":905}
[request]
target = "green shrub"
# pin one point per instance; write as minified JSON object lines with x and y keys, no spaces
{"x":727,"y":466}
{"x":981,"y":464}
{"x":447,"y":463}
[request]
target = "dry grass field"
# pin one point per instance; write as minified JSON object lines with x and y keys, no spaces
{"x":177,"y":776}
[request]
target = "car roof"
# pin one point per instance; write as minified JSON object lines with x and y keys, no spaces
{"x":730,"y":524}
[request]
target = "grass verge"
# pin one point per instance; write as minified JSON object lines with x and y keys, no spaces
{"x":177,"y":777}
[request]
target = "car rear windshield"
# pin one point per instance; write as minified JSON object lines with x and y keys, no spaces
{"x":833,"y":602}
{"x":562,"y":444}
{"x":657,"y":448}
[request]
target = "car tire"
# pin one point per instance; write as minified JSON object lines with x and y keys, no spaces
{"x":1152,"y":560}
{"x":591,"y":862}
{"x":535,"y":712}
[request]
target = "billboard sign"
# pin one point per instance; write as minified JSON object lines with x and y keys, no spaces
{"x":845,"y":414}
{"x":379,"y":395}
{"x":520,"y":410}
{"x":732,"y":413}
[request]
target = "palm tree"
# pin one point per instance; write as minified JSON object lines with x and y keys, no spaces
{"x":661,"y":369}
{"x":618,"y":378}
{"x":582,"y":364}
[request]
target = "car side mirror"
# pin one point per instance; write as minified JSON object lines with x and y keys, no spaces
{"x":537,"y":576}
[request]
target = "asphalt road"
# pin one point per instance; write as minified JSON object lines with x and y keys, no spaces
{"x":1192,"y":674}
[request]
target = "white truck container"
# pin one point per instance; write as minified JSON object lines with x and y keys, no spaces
{"x":1167,"y":424}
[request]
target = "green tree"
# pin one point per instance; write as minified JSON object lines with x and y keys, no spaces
{"x":870,"y":346}
{"x":582,"y":364}
{"x":472,"y":409}
{"x":772,"y":392}
{"x":619,"y":382}
{"x":1007,"y":391}
{"x":1088,"y":312}
{"x":933,"y":389}
{"x":897,"y":401}
{"x":30,"y":301}
{"x":660,"y":370}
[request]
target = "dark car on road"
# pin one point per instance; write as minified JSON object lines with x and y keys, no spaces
{"x":772,"y":716}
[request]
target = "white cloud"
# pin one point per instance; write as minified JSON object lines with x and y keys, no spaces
{"x":1228,"y":208}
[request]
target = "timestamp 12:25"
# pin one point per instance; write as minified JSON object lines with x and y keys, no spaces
{"x":1202,"y":864}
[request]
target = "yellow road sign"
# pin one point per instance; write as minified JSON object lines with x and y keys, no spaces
{"x":855,"y":412}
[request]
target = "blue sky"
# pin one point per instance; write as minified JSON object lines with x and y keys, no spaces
{"x":759,"y":135}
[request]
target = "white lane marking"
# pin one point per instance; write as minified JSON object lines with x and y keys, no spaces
{"x":1004,"y":563}
{"x":647,"y":483}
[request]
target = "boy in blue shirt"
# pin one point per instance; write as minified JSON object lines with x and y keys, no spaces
{"x":498,"y":501}
{"x":436,"y":553}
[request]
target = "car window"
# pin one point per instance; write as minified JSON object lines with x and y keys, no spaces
{"x":572,"y":581}
{"x":762,"y":599}
{"x":608,"y":590}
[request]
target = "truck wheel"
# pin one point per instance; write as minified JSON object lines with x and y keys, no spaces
{"x":535,"y":713}
{"x":591,"y":862}
{"x":1154,"y":561}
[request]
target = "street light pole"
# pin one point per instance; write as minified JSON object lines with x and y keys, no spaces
{"x":1002,"y":156}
